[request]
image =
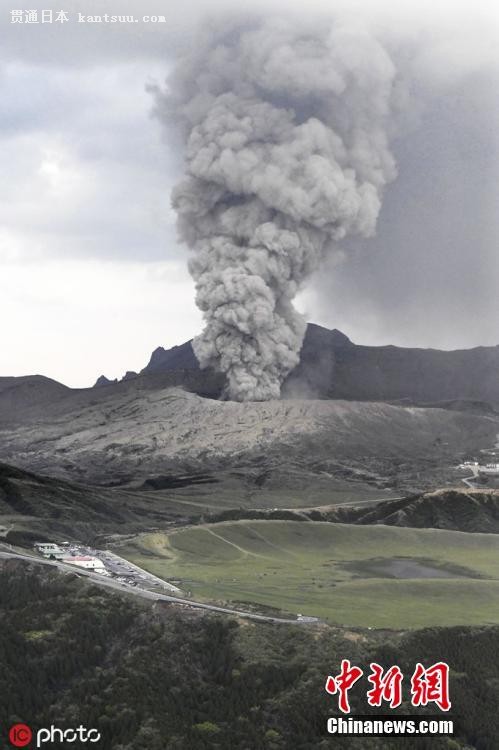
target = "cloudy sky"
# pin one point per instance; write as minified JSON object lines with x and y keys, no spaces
{"x":92,"y":278}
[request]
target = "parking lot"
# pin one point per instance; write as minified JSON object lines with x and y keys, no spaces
{"x":122,"y":570}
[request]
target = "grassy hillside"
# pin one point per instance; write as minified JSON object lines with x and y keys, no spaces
{"x":376,"y":576}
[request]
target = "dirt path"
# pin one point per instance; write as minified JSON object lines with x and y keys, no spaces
{"x":233,"y":544}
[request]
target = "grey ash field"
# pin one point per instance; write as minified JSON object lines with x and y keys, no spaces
{"x":297,"y":505}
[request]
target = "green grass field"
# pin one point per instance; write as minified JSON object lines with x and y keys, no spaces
{"x":373,"y":576}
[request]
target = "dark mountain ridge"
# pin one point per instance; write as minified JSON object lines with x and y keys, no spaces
{"x":34,"y":506}
{"x":26,"y":391}
{"x":331,"y":366}
{"x":454,"y":509}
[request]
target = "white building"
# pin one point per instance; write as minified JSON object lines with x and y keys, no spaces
{"x":489,"y":469}
{"x":306,"y":618}
{"x":50,"y":550}
{"x":87,"y":562}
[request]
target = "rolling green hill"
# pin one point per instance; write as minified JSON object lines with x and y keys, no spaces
{"x":374,"y":576}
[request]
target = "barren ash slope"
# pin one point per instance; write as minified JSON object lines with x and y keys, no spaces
{"x":131,"y":431}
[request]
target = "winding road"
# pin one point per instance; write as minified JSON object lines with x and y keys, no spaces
{"x":152,"y":595}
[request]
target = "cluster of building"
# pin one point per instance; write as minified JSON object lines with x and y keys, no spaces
{"x":64,"y":553}
{"x":491,"y":469}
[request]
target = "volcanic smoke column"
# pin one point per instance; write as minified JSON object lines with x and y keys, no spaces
{"x":286,"y":132}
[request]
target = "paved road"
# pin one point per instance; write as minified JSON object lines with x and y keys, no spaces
{"x":334,"y":506}
{"x":152,"y":595}
{"x":358,"y":503}
{"x":469,"y":481}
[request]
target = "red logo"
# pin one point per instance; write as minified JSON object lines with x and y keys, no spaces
{"x":429,"y":685}
{"x":342,"y":683}
{"x":387,"y":686}
{"x":20,"y":735}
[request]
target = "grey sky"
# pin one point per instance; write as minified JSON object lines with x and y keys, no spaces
{"x":430,"y":276}
{"x":91,"y":276}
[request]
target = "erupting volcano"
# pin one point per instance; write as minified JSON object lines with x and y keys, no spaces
{"x":287,"y":152}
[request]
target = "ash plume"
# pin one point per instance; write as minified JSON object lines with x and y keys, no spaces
{"x":286,"y":128}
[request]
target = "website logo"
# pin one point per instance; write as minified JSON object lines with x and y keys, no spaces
{"x":20,"y":735}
